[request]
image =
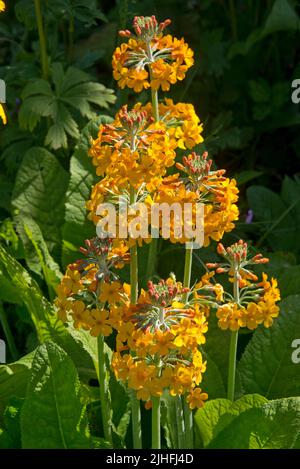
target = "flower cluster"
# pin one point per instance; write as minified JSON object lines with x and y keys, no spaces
{"x":253,"y":302}
{"x":158,"y":343}
{"x":150,"y":58}
{"x":90,"y":287}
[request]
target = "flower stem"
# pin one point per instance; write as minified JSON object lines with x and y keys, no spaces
{"x":180,"y":423}
{"x":232,"y":365}
{"x":135,"y":403}
{"x":189,"y":425}
{"x":233,"y":346}
{"x":188,"y":414}
{"x":155,"y":423}
{"x":151,"y":265}
{"x":232,"y":13}
{"x":104,"y":391}
{"x":8,"y":334}
{"x":42,"y":39}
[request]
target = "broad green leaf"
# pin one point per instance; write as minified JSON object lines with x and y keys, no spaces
{"x":274,"y":425}
{"x":219,"y":413}
{"x":38,"y":307}
{"x":37,"y":255}
{"x":52,"y":415}
{"x":245,"y":176}
{"x":275,"y":218}
{"x":83,"y":175}
{"x":71,"y":89}
{"x":212,"y":381}
{"x":217,"y":346}
{"x":39,"y":192}
{"x":266,"y":366}
{"x":13,"y":380}
{"x":289,"y":281}
{"x":283,"y":17}
{"x":11,"y":421}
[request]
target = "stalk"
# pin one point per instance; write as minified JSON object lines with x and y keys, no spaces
{"x":104,"y":391}
{"x":8,"y":334}
{"x":180,"y":423}
{"x":151,"y":264}
{"x":135,"y":403}
{"x":188,"y":414}
{"x":155,"y":422}
{"x":232,"y":12}
{"x":42,"y":39}
{"x":233,"y":348}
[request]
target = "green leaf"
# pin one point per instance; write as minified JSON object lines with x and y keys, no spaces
{"x":275,"y":218}
{"x":219,"y":413}
{"x":52,"y":415}
{"x":217,"y":346}
{"x":274,"y":425}
{"x":13,"y":380}
{"x":76,"y":227}
{"x":38,"y":307}
{"x":71,"y":89}
{"x":39,"y":192}
{"x":38,"y":258}
{"x":283,"y":17}
{"x":212,"y":382}
{"x":245,"y":176}
{"x":266,"y":366}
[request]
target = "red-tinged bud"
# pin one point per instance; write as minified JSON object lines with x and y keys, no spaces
{"x":186,"y":290}
{"x":163,"y":303}
{"x":124,"y":33}
{"x":179,"y":166}
{"x":220,"y":249}
{"x":211,"y":265}
{"x":220,"y":270}
{"x":264,"y":260}
{"x":83,"y":251}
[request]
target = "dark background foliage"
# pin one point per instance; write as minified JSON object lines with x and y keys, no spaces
{"x":246,"y":57}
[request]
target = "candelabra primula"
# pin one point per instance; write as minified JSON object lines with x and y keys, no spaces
{"x":161,"y":349}
{"x":159,"y":332}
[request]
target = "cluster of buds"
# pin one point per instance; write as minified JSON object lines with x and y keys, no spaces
{"x":162,"y":306}
{"x":199,"y":174}
{"x":99,"y":254}
{"x":236,"y":260}
{"x":146,"y":28}
{"x":164,"y":293}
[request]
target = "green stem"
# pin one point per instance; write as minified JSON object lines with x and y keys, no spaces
{"x":136,"y":421}
{"x":135,"y":403}
{"x":180,"y":423}
{"x":8,"y":334}
{"x":233,"y":20}
{"x":104,"y":391}
{"x":42,"y":39}
{"x":151,"y":264}
{"x":187,"y":269}
{"x":71,"y":36}
{"x":189,"y":425}
{"x":188,"y":414}
{"x":155,"y":423}
{"x":233,"y":346}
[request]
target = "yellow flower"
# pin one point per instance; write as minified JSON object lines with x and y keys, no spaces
{"x":2,"y":114}
{"x":196,"y":398}
{"x":229,"y":316}
{"x":110,"y":292}
{"x":99,"y":323}
{"x":80,"y":315}
{"x":2,"y":5}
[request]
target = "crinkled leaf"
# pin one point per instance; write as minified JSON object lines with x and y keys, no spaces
{"x":266,"y":366}
{"x":52,"y":415}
